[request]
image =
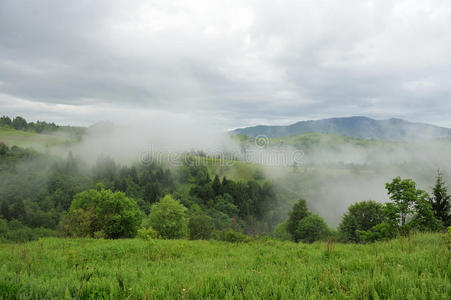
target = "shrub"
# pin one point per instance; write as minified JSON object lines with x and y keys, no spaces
{"x":281,"y":233}
{"x":311,"y":228}
{"x":147,"y":233}
{"x":15,"y":231}
{"x":382,"y":231}
{"x":231,"y":236}
{"x":200,"y":227}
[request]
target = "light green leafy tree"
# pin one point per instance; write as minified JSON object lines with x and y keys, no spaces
{"x":360,"y":216}
{"x":98,"y":213}
{"x":167,"y":217}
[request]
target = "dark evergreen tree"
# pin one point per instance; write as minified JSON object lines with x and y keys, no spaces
{"x":4,"y":210}
{"x":441,"y":200}
{"x":216,"y":186}
{"x":17,"y":210}
{"x":298,"y":213}
{"x":3,"y":149}
{"x":5,"y":121}
{"x":19,"y":123}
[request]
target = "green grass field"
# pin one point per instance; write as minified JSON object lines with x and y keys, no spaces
{"x":417,"y":267}
{"x":38,"y":141}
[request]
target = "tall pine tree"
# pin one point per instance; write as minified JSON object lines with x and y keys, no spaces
{"x":440,"y":200}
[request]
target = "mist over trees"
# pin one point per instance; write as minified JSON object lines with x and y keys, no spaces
{"x":108,"y":199}
{"x":42,"y":194}
{"x":409,"y":209}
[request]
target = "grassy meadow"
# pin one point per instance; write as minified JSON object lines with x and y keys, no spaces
{"x":415,"y":267}
{"x":38,"y":141}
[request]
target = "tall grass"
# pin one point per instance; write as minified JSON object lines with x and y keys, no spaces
{"x":406,"y":268}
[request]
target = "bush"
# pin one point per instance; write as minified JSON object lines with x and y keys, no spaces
{"x":167,"y":217}
{"x":281,"y":233}
{"x":360,"y":216}
{"x":200,"y":227}
{"x":147,"y":233}
{"x":382,"y":231}
{"x":311,"y":228}
{"x":231,"y":236}
{"x":15,"y":231}
{"x":102,"y":214}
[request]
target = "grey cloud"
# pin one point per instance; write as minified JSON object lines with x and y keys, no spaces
{"x":239,"y":64}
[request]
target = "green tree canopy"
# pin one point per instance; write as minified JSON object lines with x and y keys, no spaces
{"x":200,"y":227}
{"x":104,"y":212}
{"x":19,"y":123}
{"x":360,"y":216}
{"x":167,"y":217}
{"x":403,"y":193}
{"x":408,"y":201}
{"x":311,"y":228}
{"x":298,"y":213}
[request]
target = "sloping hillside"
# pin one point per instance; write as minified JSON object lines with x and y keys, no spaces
{"x":357,"y":127}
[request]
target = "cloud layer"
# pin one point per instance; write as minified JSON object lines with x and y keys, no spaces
{"x":228,"y":63}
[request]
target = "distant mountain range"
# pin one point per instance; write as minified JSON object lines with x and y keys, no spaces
{"x":356,"y":127}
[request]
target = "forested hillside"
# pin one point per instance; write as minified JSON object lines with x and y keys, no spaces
{"x":356,"y":127}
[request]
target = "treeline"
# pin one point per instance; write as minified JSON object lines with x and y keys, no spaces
{"x":42,"y":195}
{"x":20,"y":123}
{"x":39,"y":192}
{"x":409,"y":209}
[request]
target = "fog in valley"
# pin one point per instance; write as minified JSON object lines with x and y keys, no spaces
{"x":329,"y":177}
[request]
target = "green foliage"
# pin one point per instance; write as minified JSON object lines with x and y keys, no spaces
{"x":424,"y":219}
{"x":19,"y":123}
{"x":360,"y":216}
{"x":220,"y":220}
{"x":39,"y":189}
{"x":409,"y":202}
{"x":5,"y":121}
{"x":147,"y":233}
{"x":441,"y":200}
{"x":298,"y":213}
{"x":230,"y":235}
{"x":224,"y":203}
{"x":311,"y":228}
{"x":281,"y":232}
{"x":167,"y":217}
{"x":200,"y":227}
{"x":382,"y":231}
{"x":403,"y":193}
{"x":15,"y":231}
{"x":111,"y":212}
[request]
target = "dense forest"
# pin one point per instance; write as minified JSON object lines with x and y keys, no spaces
{"x":46,"y":195}
{"x":37,"y":191}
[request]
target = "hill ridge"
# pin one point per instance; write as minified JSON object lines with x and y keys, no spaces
{"x":355,"y":126}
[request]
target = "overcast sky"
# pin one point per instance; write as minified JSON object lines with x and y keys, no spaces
{"x":226,"y":63}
